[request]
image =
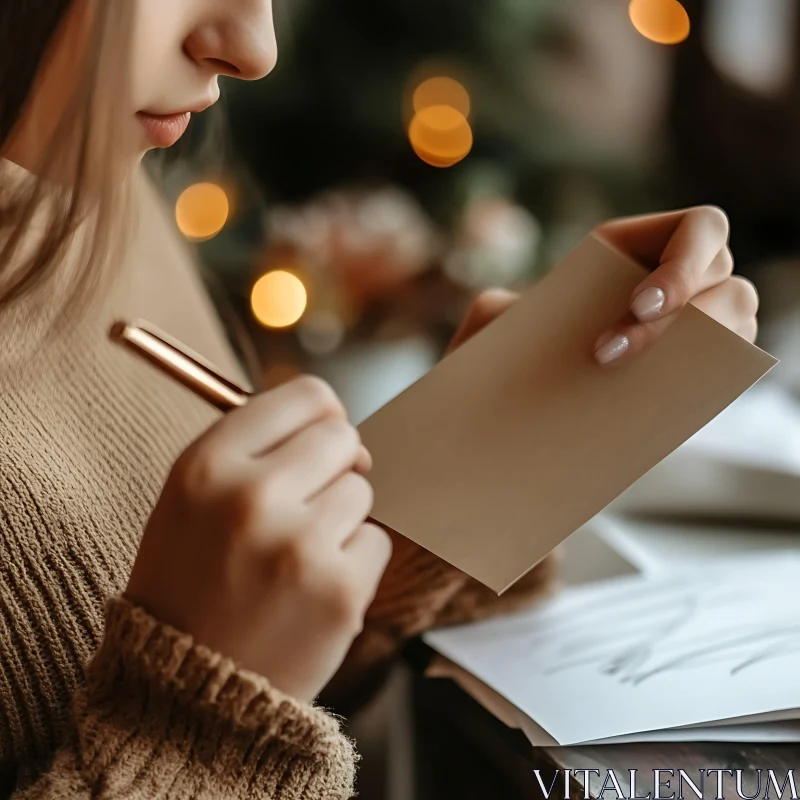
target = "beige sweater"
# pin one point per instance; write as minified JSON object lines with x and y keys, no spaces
{"x":97,"y":699}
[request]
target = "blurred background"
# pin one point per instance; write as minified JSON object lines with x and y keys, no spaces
{"x":407,"y":153}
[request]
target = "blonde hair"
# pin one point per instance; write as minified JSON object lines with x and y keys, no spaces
{"x":79,"y":199}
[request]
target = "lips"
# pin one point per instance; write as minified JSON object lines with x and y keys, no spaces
{"x":164,"y":130}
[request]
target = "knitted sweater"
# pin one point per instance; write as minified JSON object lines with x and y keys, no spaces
{"x":97,"y":698}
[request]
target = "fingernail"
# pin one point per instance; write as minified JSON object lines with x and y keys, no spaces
{"x":647,"y":305}
{"x":612,"y":349}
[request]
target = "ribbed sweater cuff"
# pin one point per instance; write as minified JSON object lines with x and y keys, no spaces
{"x":176,"y":712}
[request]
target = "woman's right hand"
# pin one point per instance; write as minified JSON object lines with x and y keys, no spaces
{"x":258,"y":546}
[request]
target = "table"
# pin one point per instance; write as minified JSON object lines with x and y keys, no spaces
{"x":463,"y":752}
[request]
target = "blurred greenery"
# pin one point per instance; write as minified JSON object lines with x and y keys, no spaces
{"x":332,"y":112}
{"x":333,"y":116}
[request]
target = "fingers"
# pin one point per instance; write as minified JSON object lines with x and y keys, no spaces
{"x":649,"y":302}
{"x":341,"y":508}
{"x":364,"y":462}
{"x":369,"y":550}
{"x":627,"y":339}
{"x":644,"y":238}
{"x":690,"y":252}
{"x":487,"y":307}
{"x":720,"y":270}
{"x":734,"y":304}
{"x":271,"y":418}
{"x":698,"y":247}
{"x":340,"y":513}
{"x":314,"y":458}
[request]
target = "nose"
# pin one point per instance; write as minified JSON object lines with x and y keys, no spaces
{"x":239,"y":42}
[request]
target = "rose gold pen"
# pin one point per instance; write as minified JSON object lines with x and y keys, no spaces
{"x":180,"y":363}
{"x":190,"y":370}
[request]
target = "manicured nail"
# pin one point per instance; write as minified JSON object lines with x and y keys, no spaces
{"x":648,"y":305}
{"x":612,"y":349}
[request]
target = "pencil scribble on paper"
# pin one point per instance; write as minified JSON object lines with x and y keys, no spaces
{"x":703,"y":648}
{"x":635,"y":640}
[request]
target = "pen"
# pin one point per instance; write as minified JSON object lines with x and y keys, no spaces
{"x":180,"y":363}
{"x":191,"y":370}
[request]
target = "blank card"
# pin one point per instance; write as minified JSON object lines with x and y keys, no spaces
{"x":518,"y":438}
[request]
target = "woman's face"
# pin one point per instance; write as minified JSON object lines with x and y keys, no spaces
{"x":179,"y":48}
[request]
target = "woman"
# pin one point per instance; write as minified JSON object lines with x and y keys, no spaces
{"x":177,"y":589}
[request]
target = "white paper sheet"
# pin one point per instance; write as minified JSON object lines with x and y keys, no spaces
{"x":779,"y":726}
{"x":760,"y":429}
{"x":752,"y":733}
{"x":641,"y":654}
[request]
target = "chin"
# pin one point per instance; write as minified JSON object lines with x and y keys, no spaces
{"x":143,"y":147}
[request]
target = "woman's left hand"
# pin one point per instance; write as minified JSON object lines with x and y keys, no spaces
{"x":691,"y":261}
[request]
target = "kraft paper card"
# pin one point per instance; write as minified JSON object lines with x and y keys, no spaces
{"x":518,"y":438}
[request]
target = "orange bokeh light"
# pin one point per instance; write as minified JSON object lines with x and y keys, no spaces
{"x":440,"y":135}
{"x":661,"y":21}
{"x":442,"y":91}
{"x":202,"y":211}
{"x":278,"y":299}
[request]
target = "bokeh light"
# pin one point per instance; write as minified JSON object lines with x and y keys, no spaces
{"x":440,"y":135}
{"x":442,"y":91}
{"x":202,"y":211}
{"x":278,"y":299}
{"x":661,"y":21}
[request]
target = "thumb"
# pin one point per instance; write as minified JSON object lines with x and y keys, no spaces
{"x":486,"y":308}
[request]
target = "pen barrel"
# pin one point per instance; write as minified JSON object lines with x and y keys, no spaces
{"x":223,"y":394}
{"x":212,"y":391}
